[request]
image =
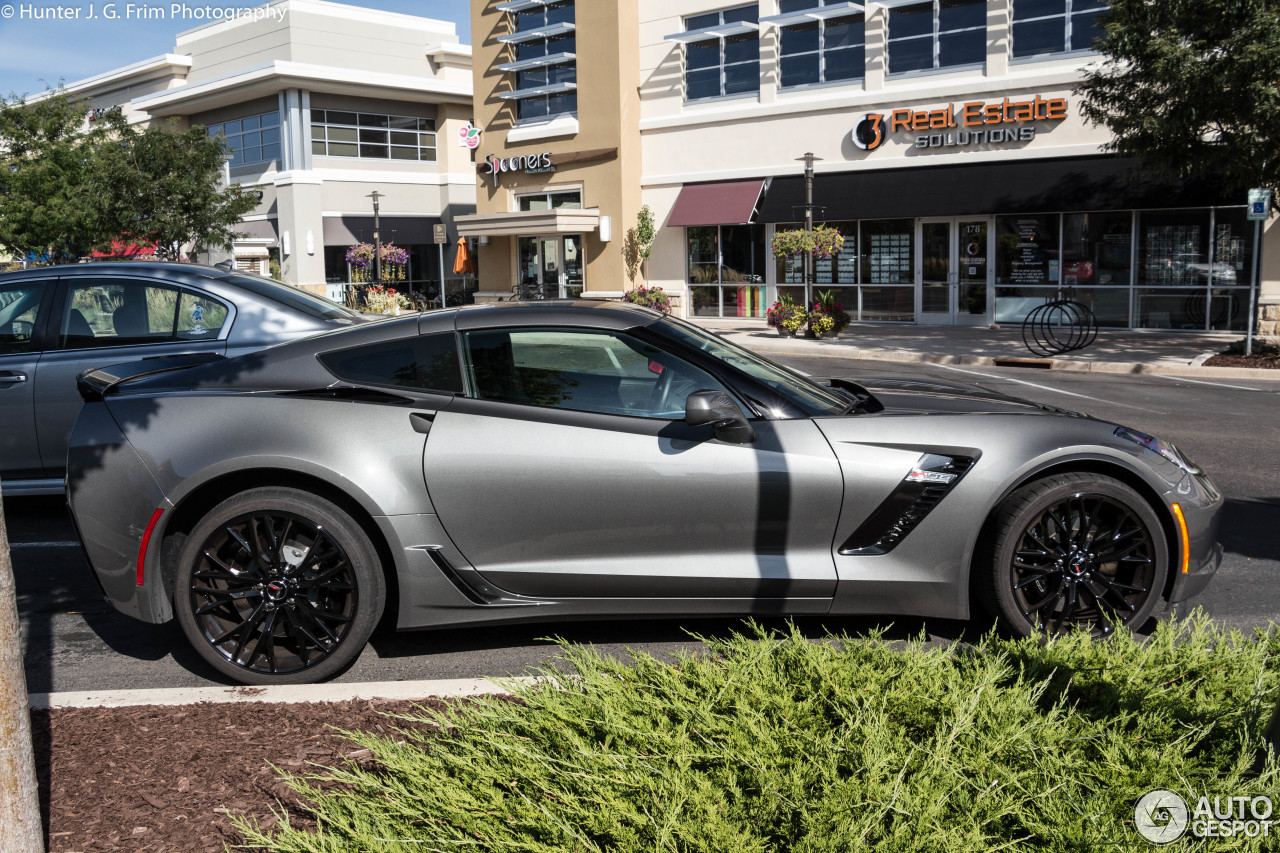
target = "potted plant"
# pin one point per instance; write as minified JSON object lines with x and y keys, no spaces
{"x":785,"y":316}
{"x":828,"y":305}
{"x":650,"y":297}
{"x":820,"y":323}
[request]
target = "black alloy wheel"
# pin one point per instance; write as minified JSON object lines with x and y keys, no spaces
{"x":1076,"y":552}
{"x":278,"y":587}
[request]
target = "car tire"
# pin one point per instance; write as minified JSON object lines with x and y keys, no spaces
{"x":1073,"y":551}
{"x":277,"y":586}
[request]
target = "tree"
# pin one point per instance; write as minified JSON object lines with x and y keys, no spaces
{"x":160,"y":185}
{"x":19,"y":800}
{"x":1191,"y":88}
{"x":66,"y":189}
{"x":46,"y":208}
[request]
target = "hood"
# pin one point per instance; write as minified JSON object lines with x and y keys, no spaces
{"x":907,"y":396}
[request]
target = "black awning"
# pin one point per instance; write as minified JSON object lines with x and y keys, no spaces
{"x":1020,"y":186}
{"x":401,"y":230}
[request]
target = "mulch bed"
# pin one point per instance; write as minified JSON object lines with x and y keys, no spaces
{"x":1262,"y":361}
{"x":153,"y":778}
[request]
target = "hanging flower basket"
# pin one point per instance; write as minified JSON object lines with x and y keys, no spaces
{"x":824,"y":241}
{"x":395,"y":260}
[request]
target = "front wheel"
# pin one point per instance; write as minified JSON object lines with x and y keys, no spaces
{"x":1074,"y":551}
{"x":276,"y":586}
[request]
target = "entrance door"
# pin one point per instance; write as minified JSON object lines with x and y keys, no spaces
{"x":551,"y":266}
{"x":954,"y":270}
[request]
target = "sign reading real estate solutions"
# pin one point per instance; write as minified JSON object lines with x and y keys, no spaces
{"x":970,"y":124}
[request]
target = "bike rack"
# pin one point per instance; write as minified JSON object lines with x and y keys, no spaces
{"x":1059,"y":326}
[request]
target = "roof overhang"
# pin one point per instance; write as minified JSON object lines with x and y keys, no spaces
{"x":721,"y":203}
{"x":272,"y":77}
{"x":528,"y":222}
{"x":168,"y":65}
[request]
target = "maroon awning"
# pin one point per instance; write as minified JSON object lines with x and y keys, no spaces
{"x":723,"y":203}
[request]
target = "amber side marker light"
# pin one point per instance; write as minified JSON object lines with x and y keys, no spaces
{"x":151,"y":528}
{"x":1185,"y":537}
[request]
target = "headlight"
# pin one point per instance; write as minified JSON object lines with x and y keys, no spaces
{"x":1156,"y":445}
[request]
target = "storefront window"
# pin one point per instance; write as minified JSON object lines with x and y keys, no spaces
{"x":888,"y":251}
{"x":726,"y":270}
{"x":1027,"y":249}
{"x":1194,"y":268}
{"x":1097,"y":249}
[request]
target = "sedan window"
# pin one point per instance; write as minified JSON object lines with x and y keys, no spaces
{"x":426,"y":362}
{"x":583,"y":370}
{"x":19,"y":307}
{"x":119,"y":312}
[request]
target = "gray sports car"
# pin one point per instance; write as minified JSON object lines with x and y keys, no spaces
{"x":579,"y":459}
{"x":56,"y":322}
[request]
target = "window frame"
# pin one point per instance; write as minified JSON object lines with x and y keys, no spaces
{"x":936,"y":40}
{"x":721,"y":64}
{"x":44,"y":311}
{"x":1068,"y":14}
{"x":408,"y":341}
{"x":388,"y":127}
{"x":229,"y":139}
{"x":565,"y":96}
{"x":822,"y":49}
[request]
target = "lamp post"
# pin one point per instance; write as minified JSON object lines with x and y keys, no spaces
{"x":808,"y":159}
{"x":377,"y":239}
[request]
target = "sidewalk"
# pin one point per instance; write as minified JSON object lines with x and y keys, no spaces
{"x":1118,"y":351}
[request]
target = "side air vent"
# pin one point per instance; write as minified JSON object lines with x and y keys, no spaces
{"x":924,"y":487}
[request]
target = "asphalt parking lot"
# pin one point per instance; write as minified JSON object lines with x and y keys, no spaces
{"x":75,"y":641}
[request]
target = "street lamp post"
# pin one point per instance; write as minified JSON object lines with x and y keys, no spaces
{"x":808,"y":159}
{"x":377,"y":239}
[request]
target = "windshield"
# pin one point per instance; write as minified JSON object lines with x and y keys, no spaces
{"x":797,"y":390}
{"x":296,"y":298}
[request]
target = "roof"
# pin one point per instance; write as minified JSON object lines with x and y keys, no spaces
{"x":594,"y":313}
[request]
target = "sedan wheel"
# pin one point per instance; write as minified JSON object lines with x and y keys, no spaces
{"x":1075,"y":551}
{"x":276,"y":586}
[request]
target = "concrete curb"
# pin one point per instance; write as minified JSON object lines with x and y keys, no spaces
{"x":1194,"y":368}
{"x":400,"y":690}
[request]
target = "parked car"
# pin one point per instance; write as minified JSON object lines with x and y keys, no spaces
{"x":56,"y":322}
{"x":560,"y":460}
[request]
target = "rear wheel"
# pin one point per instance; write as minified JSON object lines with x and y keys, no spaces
{"x":1074,"y":551}
{"x":276,"y":586}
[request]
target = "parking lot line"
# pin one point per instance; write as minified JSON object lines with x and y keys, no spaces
{"x":1204,"y":382}
{"x":1049,"y":388}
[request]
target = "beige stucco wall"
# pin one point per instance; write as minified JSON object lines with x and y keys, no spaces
{"x":608,"y":114}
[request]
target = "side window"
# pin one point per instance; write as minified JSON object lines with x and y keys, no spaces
{"x":116,"y":312}
{"x":19,"y":311}
{"x":584,"y":370}
{"x":425,"y":362}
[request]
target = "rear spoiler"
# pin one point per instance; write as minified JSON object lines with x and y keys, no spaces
{"x":96,"y":384}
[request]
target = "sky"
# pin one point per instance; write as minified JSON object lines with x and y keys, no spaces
{"x":45,"y":42}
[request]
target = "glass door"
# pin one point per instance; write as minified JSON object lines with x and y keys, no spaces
{"x":954,"y":270}
{"x":550,"y":266}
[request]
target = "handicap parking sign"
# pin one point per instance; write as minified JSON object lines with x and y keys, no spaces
{"x":1259,"y":204}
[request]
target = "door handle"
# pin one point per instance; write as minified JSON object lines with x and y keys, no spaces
{"x":12,"y":377}
{"x":421,"y":421}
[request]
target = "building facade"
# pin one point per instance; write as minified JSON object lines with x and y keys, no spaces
{"x":322,"y":105}
{"x":948,"y":149}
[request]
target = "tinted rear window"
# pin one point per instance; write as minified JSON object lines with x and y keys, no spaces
{"x":425,"y":362}
{"x":299,"y":300}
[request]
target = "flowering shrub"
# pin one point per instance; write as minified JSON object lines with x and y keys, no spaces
{"x":820,"y":323}
{"x":827,"y":305}
{"x":650,"y":297}
{"x":824,"y":241}
{"x":786,"y":316}
{"x":384,"y":300}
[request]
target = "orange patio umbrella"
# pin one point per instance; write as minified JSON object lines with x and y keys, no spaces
{"x":462,"y":262}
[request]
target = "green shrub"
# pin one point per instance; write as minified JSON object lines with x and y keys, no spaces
{"x":1261,"y":346}
{"x":771,"y":742}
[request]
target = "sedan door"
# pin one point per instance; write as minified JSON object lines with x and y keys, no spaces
{"x":24,"y":309}
{"x":111,"y":320}
{"x":569,"y":472}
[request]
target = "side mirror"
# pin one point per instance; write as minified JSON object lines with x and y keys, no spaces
{"x":718,"y":409}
